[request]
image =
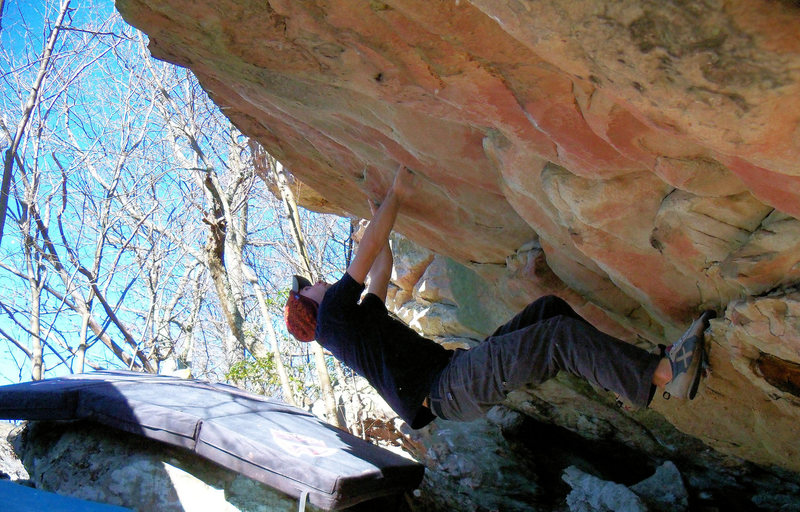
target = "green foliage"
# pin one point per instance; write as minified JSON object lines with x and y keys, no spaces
{"x":278,"y":299}
{"x":259,"y":373}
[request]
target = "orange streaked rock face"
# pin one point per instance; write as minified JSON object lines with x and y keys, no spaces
{"x":650,"y":151}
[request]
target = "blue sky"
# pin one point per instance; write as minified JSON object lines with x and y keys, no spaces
{"x":23,"y":35}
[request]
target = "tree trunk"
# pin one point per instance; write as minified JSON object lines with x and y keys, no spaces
{"x":290,"y":206}
{"x":215,"y":259}
{"x":334,"y":412}
{"x":288,"y":390}
{"x":80,"y":353}
{"x":37,"y":348}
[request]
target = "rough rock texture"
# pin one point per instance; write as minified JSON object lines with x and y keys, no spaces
{"x":472,"y":466}
{"x":590,"y":494}
{"x":504,"y":462}
{"x":664,"y":491}
{"x":639,"y":158}
{"x":10,"y":466}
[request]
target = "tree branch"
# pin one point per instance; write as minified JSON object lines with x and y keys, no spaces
{"x":33,"y":98}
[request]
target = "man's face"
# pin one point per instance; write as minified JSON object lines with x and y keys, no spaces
{"x":315,"y":292}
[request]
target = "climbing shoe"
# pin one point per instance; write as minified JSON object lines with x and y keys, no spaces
{"x":687,"y":359}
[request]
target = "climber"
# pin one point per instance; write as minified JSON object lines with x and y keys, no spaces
{"x":421,"y":380}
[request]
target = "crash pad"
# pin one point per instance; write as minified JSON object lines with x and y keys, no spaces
{"x":267,"y":440}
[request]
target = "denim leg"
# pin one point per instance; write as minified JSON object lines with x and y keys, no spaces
{"x":479,"y":378}
{"x":605,"y":361}
{"x":541,"y":309}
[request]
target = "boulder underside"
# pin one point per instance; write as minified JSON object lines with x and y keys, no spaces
{"x":641,"y":159}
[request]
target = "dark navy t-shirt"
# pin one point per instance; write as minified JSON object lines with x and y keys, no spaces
{"x":399,"y":363}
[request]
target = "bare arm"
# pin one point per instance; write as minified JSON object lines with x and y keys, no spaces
{"x":381,"y":273}
{"x":376,"y":236}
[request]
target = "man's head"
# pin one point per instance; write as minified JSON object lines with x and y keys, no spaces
{"x":300,"y":312}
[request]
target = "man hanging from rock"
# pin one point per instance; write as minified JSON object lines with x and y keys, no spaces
{"x":421,"y":380}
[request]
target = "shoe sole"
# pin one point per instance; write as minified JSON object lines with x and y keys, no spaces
{"x":699,"y":372}
{"x":699,"y":327}
{"x":705,"y":319}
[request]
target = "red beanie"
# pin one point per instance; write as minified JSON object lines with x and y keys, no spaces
{"x":300,"y":314}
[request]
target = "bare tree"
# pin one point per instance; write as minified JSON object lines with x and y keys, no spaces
{"x":307,"y":270}
{"x":74,"y":255}
{"x":32,"y":102}
{"x":38,"y":246}
{"x":144,"y":232}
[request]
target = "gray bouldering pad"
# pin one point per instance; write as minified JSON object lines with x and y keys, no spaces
{"x":19,"y":498}
{"x":282,"y":446}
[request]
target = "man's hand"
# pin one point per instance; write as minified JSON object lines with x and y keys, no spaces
{"x":376,"y":236}
{"x":404,"y":185}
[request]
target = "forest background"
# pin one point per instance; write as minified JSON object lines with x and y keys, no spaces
{"x":143,"y":231}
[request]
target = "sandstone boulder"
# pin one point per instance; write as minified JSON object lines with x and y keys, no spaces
{"x":639,"y":158}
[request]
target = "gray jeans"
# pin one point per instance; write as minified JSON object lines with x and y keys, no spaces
{"x":546,"y":337}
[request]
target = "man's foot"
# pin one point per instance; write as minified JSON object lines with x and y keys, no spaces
{"x":686,"y":357}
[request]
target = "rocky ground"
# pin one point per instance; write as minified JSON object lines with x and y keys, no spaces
{"x":507,"y":462}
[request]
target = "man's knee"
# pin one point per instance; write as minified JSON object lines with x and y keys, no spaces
{"x":549,"y":300}
{"x":553,"y":305}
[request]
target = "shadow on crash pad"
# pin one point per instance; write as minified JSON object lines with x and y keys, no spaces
{"x":279,"y":445}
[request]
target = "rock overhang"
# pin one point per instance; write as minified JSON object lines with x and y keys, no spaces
{"x":649,"y":152}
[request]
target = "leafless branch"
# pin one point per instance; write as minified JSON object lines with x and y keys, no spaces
{"x":33,"y":97}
